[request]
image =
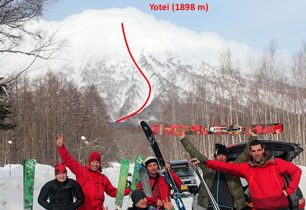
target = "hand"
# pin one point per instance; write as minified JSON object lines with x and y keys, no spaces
{"x":59,"y":140}
{"x":167,"y":165}
{"x":104,"y":208}
{"x":182,"y":135}
{"x":159,"y":203}
{"x":285,"y":193}
{"x":167,"y":204}
{"x":193,"y":161}
{"x":253,"y":134}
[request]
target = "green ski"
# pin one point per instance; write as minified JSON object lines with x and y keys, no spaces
{"x":28,"y":183}
{"x":123,"y":176}
{"x":135,"y":178}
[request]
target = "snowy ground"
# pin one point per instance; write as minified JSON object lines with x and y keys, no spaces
{"x":11,"y":189}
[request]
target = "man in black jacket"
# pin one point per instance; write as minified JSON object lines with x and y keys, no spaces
{"x":61,"y":193}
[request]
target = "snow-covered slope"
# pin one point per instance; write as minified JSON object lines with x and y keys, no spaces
{"x":11,"y":189}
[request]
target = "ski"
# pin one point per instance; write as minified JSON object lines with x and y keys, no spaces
{"x":169,"y":130}
{"x":28,"y":183}
{"x":145,"y":180}
{"x":161,"y":162}
{"x":135,"y":178}
{"x":138,"y":160}
{"x":123,"y":176}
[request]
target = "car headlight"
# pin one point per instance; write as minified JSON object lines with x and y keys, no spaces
{"x":193,"y":181}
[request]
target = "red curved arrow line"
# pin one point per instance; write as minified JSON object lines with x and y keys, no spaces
{"x":144,"y":76}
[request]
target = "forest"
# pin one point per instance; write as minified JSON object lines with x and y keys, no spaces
{"x":52,"y":103}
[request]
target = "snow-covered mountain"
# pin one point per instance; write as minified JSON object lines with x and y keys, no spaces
{"x":95,"y":52}
{"x":125,"y":89}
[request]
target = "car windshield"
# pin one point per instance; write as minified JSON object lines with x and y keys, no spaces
{"x":182,"y":171}
{"x":275,"y":153}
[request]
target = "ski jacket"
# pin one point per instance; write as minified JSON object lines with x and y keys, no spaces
{"x":233,"y":183}
{"x":160,"y":188}
{"x":93,"y":183}
{"x":266,"y":182}
{"x":61,"y":195}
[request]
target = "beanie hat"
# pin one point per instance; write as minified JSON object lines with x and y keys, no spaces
{"x":60,"y":168}
{"x":149,"y":160}
{"x":220,"y":149}
{"x":137,"y":195}
{"x":94,"y":156}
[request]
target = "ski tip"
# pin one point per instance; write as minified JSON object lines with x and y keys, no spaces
{"x":118,"y":207}
{"x":145,"y":126}
{"x":143,"y":123}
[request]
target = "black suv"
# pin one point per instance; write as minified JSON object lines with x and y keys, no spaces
{"x":185,"y":172}
{"x":280,"y":149}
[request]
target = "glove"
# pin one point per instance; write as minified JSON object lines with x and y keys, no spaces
{"x":203,"y":162}
{"x":293,"y":201}
{"x":128,"y":184}
{"x":195,"y":161}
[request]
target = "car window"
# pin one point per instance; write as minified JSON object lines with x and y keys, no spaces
{"x":278,"y":154}
{"x":280,"y":149}
{"x":182,"y":171}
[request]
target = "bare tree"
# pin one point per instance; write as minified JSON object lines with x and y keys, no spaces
{"x":14,"y":17}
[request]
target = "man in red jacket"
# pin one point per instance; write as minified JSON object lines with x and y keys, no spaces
{"x":158,"y":183}
{"x":265,"y":177}
{"x":92,"y":181}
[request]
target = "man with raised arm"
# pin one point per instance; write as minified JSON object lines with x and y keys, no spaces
{"x":226,"y":189}
{"x":92,"y":181}
{"x":265,"y":176}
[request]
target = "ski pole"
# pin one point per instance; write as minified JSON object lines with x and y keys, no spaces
{"x":213,"y":201}
{"x":178,"y":200}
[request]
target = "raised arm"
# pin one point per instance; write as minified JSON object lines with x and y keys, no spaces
{"x":245,"y":155}
{"x":66,"y":157}
{"x":193,"y":152}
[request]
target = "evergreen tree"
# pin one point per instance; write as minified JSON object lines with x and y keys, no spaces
{"x":4,"y":114}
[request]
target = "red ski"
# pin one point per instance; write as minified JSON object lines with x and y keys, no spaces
{"x":170,"y":130}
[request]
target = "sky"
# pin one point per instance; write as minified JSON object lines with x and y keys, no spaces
{"x":254,"y":23}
